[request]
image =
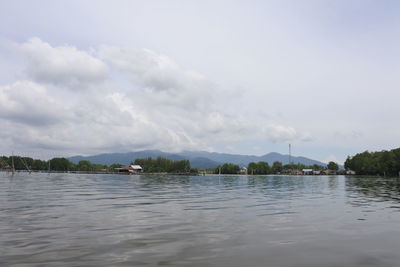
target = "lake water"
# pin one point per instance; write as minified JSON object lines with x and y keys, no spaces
{"x":117,"y":220}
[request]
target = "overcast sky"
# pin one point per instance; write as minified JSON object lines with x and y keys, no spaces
{"x":247,"y":77}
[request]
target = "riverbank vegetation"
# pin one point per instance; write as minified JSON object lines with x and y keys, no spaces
{"x":227,"y":168}
{"x":263,"y":168}
{"x":385,"y":163}
{"x":161,"y":164}
{"x":156,"y":165}
{"x":149,"y":165}
{"x":54,"y":164}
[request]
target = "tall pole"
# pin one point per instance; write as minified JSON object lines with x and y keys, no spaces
{"x":290,"y":154}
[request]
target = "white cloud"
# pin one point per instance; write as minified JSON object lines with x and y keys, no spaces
{"x":62,"y":65}
{"x":33,"y":119}
{"x":152,"y":70}
{"x":29,"y":103}
{"x":154,"y":104}
{"x":282,"y":133}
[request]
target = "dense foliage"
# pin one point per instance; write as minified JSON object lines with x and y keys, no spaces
{"x":64,"y":165}
{"x":375,"y":163}
{"x":227,"y":168}
{"x":165,"y":165}
{"x":277,"y":167}
{"x":333,"y":166}
{"x":161,"y":164}
{"x":259,"y":168}
{"x":54,"y":164}
{"x":299,"y":167}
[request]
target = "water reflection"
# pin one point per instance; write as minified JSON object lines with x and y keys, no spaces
{"x":155,"y":220}
{"x":333,"y":182}
{"x":363,"y":191}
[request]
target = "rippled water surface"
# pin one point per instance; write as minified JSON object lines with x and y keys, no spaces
{"x":116,"y":220}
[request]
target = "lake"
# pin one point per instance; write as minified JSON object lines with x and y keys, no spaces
{"x":118,"y":220}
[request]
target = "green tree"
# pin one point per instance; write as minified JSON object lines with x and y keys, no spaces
{"x":161,"y":164}
{"x":315,"y":167}
{"x":39,"y":165}
{"x":333,"y":166}
{"x":375,"y":163}
{"x":277,"y":167}
{"x":258,"y":168}
{"x":228,"y":168}
{"x":84,"y":165}
{"x":61,"y":164}
{"x":252,"y":168}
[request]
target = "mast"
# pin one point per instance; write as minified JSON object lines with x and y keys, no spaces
{"x":290,"y":154}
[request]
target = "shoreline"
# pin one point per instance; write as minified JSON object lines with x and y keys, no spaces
{"x":180,"y":174}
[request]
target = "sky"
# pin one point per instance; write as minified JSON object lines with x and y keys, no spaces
{"x":244,"y":77}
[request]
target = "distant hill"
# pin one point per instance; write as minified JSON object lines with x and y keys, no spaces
{"x":198,"y":159}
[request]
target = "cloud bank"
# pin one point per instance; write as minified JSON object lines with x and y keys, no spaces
{"x":62,"y":65}
{"x":111,"y":98}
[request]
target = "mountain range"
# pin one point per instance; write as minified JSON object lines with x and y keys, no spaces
{"x":198,"y":159}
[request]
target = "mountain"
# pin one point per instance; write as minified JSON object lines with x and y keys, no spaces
{"x":198,"y":159}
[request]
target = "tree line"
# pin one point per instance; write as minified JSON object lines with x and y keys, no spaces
{"x":277,"y":167}
{"x":54,"y":164}
{"x":64,"y":165}
{"x":375,"y":163}
{"x":151,"y":165}
{"x":161,"y":164}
